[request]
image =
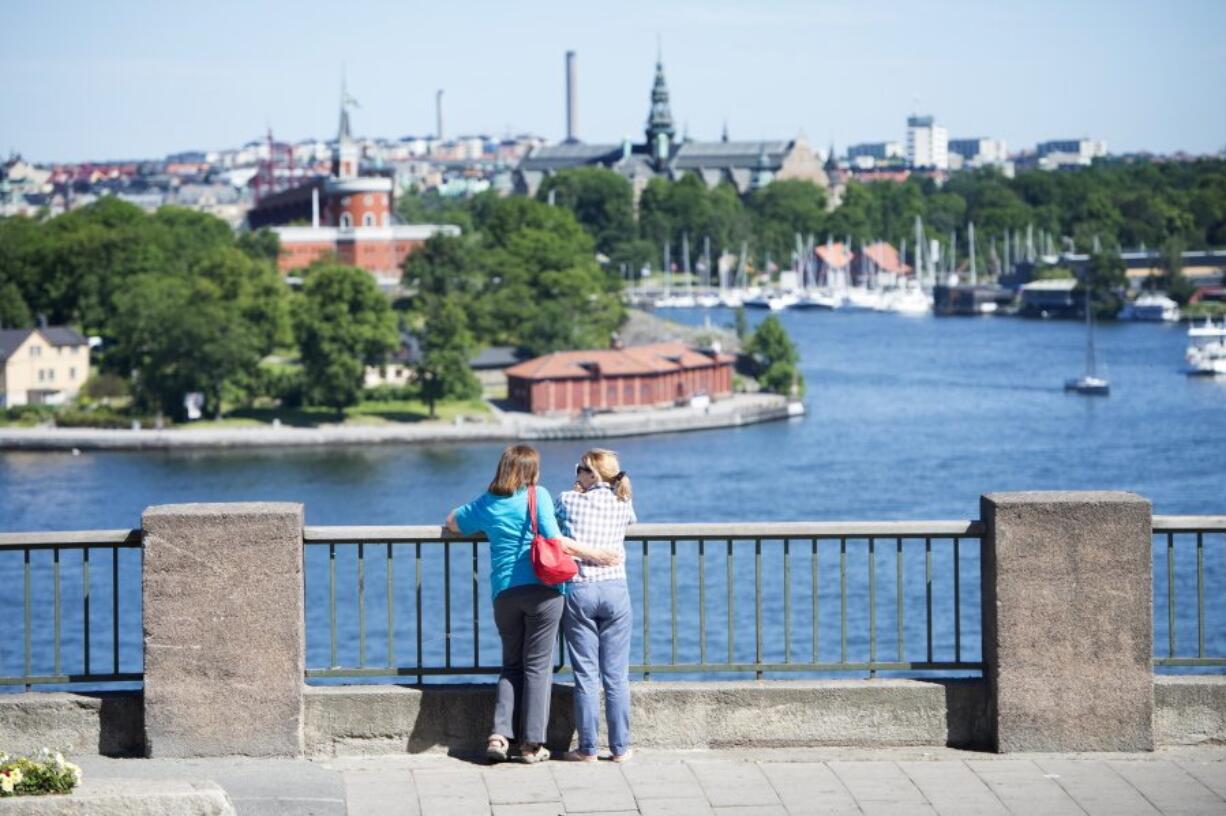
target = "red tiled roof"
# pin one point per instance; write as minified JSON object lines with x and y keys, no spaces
{"x":657,"y":358}
{"x":835,"y":255}
{"x":885,"y":257}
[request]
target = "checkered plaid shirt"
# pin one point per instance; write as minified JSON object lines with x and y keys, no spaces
{"x":598,"y":519}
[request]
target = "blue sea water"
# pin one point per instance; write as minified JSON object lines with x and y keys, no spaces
{"x":908,"y":418}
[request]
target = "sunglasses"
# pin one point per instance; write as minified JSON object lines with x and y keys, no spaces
{"x":583,"y":469}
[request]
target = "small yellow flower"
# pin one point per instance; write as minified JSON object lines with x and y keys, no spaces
{"x":6,"y":782}
{"x":16,"y":775}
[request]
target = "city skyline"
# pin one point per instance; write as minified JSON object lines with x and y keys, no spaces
{"x":142,"y":81}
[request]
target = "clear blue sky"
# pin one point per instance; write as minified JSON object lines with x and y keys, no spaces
{"x":84,"y":79}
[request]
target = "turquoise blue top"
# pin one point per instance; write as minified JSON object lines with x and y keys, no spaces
{"x":504,"y":520}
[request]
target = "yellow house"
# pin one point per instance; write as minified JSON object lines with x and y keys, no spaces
{"x":44,"y":366}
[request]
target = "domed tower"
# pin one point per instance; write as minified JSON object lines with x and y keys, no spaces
{"x":660,"y":119}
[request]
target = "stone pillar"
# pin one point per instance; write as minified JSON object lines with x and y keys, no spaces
{"x":1067,"y":620}
{"x":223,"y":621}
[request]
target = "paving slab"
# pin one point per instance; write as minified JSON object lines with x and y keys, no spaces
{"x":953,"y":789}
{"x":881,"y":787}
{"x":1168,"y":787}
{"x":664,"y":780}
{"x":807,"y":788}
{"x":377,"y":790}
{"x":734,"y":784}
{"x":1024,"y":788}
{"x":448,"y":792}
{"x":674,"y":807}
{"x":510,"y":785}
{"x":1210,"y":773}
{"x":256,"y":786}
{"x":1096,"y":788}
{"x":592,"y":787}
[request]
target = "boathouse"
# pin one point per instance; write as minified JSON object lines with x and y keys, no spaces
{"x":660,"y":374}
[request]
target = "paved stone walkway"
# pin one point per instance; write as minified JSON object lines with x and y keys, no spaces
{"x":836,"y":781}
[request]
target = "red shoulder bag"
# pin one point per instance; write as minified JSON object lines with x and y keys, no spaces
{"x":551,"y":565}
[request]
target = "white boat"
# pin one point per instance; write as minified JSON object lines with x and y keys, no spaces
{"x":1089,"y":383}
{"x":676,"y":302}
{"x":731,"y":298}
{"x":861,"y":298}
{"x":909,"y":300}
{"x":775,"y":301}
{"x":817,"y":299}
{"x":708,"y":300}
{"x":1206,"y":353}
{"x":1151,"y":306}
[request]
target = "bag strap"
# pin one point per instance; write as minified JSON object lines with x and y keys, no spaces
{"x":532,"y":508}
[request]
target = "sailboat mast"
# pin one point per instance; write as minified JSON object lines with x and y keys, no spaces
{"x":970,"y":238}
{"x":685,"y":259}
{"x":1089,"y":332}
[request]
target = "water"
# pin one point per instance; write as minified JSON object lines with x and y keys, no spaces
{"x":908,"y":418}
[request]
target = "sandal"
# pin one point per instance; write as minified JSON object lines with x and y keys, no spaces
{"x":534,"y":755}
{"x":496,"y":748}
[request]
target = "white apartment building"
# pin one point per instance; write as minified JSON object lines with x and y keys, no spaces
{"x":1069,"y":152}
{"x":980,"y":150}
{"x":927,"y":143}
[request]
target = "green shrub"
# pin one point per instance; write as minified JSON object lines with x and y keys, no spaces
{"x":42,"y":774}
{"x":390,"y":393}
{"x":101,"y":417}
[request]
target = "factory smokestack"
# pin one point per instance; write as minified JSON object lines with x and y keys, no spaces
{"x":571,"y":101}
{"x":438,"y":113}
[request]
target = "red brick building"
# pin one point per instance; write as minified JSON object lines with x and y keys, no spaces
{"x":638,"y":376}
{"x":345,"y":215}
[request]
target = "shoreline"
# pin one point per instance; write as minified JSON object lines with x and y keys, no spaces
{"x":733,"y":412}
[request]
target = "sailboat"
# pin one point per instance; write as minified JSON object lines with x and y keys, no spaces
{"x":1089,"y":383}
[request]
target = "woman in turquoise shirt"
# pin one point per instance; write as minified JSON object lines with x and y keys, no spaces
{"x":526,"y":611}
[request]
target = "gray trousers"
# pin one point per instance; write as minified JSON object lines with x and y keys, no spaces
{"x":527,"y":618}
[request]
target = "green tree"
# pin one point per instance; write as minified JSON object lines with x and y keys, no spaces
{"x":175,"y":336}
{"x":1105,"y":279}
{"x":601,"y":200}
{"x":342,"y":323}
{"x":1176,"y":284}
{"x":775,"y":358}
{"x":446,"y":345}
{"x":14,"y":314}
{"x":783,"y":209}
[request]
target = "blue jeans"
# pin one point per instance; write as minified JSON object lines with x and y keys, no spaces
{"x":597,"y":626}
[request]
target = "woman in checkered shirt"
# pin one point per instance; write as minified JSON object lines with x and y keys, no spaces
{"x":598,"y":618}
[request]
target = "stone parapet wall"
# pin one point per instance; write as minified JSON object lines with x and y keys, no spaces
{"x":371,"y":720}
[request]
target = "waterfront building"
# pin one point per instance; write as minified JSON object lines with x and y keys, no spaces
{"x":345,"y":215}
{"x":979,"y":151}
{"x":834,"y":264}
{"x":747,"y":165}
{"x":1058,"y":153}
{"x":655,"y":375}
{"x":867,"y":155}
{"x":1051,"y":298}
{"x":42,"y":366}
{"x":927,"y":143}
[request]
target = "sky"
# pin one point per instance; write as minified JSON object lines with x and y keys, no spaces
{"x":86,"y":80}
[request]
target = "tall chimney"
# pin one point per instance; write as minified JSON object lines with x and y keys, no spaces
{"x":571,"y":94}
{"x":438,"y":113}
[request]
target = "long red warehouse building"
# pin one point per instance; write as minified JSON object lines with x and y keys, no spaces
{"x":638,"y":376}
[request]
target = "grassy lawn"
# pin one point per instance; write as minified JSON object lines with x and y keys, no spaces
{"x":364,"y":413}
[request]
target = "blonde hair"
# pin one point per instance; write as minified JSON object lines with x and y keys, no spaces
{"x":520,"y":466}
{"x":604,"y":464}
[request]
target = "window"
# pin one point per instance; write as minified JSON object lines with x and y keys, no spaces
{"x":368,"y":220}
{"x":51,"y":375}
{"x":36,"y":351}
{"x":42,"y":375}
{"x":72,"y":373}
{"x":346,"y":220}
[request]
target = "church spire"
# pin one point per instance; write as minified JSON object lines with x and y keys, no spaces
{"x":660,"y":120}
{"x":345,"y":154}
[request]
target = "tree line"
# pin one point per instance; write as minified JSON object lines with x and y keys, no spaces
{"x":1112,"y":204}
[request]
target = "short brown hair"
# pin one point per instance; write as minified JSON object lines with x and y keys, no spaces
{"x":520,"y":466}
